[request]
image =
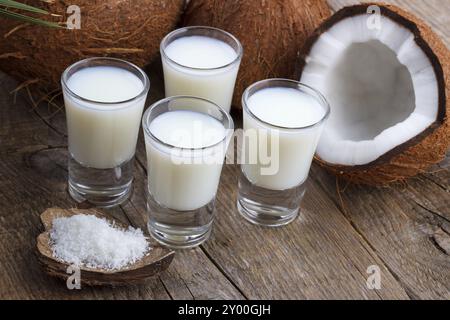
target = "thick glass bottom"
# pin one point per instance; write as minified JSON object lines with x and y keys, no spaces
{"x":179,"y":229}
{"x":270,"y":208}
{"x":100,"y":187}
{"x":177,"y":238}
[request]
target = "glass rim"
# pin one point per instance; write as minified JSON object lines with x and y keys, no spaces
{"x":322,"y":100}
{"x":164,"y":44}
{"x":146,"y":123}
{"x":65,"y":77}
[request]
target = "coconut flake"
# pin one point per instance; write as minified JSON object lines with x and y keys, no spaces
{"x":86,"y":240}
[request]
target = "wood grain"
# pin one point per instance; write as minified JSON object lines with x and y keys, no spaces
{"x":33,"y":177}
{"x":404,"y":234}
{"x":406,"y":225}
{"x":299,"y":255}
{"x":325,"y":254}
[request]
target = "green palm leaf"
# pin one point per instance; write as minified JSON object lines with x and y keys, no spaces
{"x":7,"y":4}
{"x":21,"y":6}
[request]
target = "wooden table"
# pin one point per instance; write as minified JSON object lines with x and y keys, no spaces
{"x":403,"y":229}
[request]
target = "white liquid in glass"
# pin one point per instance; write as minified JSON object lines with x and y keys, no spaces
{"x":195,"y":72}
{"x":288,"y":108}
{"x":173,"y":182}
{"x":103,"y":131}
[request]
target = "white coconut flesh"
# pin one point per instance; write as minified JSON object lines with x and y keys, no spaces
{"x":381,"y":87}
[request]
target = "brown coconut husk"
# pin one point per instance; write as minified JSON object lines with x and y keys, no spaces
{"x":131,"y":30}
{"x":271,"y":32}
{"x":429,"y":147}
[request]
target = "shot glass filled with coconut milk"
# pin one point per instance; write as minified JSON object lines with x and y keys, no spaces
{"x":201,"y":62}
{"x":104,"y":100}
{"x":186,"y":140}
{"x":282,"y":122}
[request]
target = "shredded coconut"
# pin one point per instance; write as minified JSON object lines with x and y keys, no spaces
{"x":86,"y":240}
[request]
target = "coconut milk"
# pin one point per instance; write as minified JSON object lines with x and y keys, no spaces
{"x":189,"y":180}
{"x":102,"y":131}
{"x":278,"y":108}
{"x":201,"y":66}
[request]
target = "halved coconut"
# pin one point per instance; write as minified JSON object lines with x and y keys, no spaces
{"x":382,"y":71}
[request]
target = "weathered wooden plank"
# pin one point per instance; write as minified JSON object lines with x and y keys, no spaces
{"x":313,"y":277}
{"x":25,"y":193}
{"x":407,"y":226}
{"x":179,"y":280}
{"x":440,"y":174}
{"x":292,"y":262}
{"x":318,"y":256}
{"x":33,"y":175}
{"x":401,"y":232}
{"x":245,"y":260}
{"x":324,"y":255}
{"x":184,"y":279}
{"x":191,"y":274}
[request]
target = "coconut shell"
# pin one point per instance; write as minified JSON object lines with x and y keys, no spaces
{"x":430,"y":146}
{"x":271,"y":32}
{"x":130,"y":30}
{"x":156,"y":260}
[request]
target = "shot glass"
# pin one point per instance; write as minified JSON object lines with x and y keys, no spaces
{"x":186,"y":140}
{"x":202,"y":62}
{"x":282,"y":122}
{"x":104,"y":100}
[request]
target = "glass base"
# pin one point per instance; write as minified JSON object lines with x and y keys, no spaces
{"x":179,"y":229}
{"x":185,"y":238}
{"x":269,"y":208}
{"x":100,"y":187}
{"x":264,"y":215}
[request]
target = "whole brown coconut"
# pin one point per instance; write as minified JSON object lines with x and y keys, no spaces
{"x":271,"y":32}
{"x":130,"y":30}
{"x":426,"y":147}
